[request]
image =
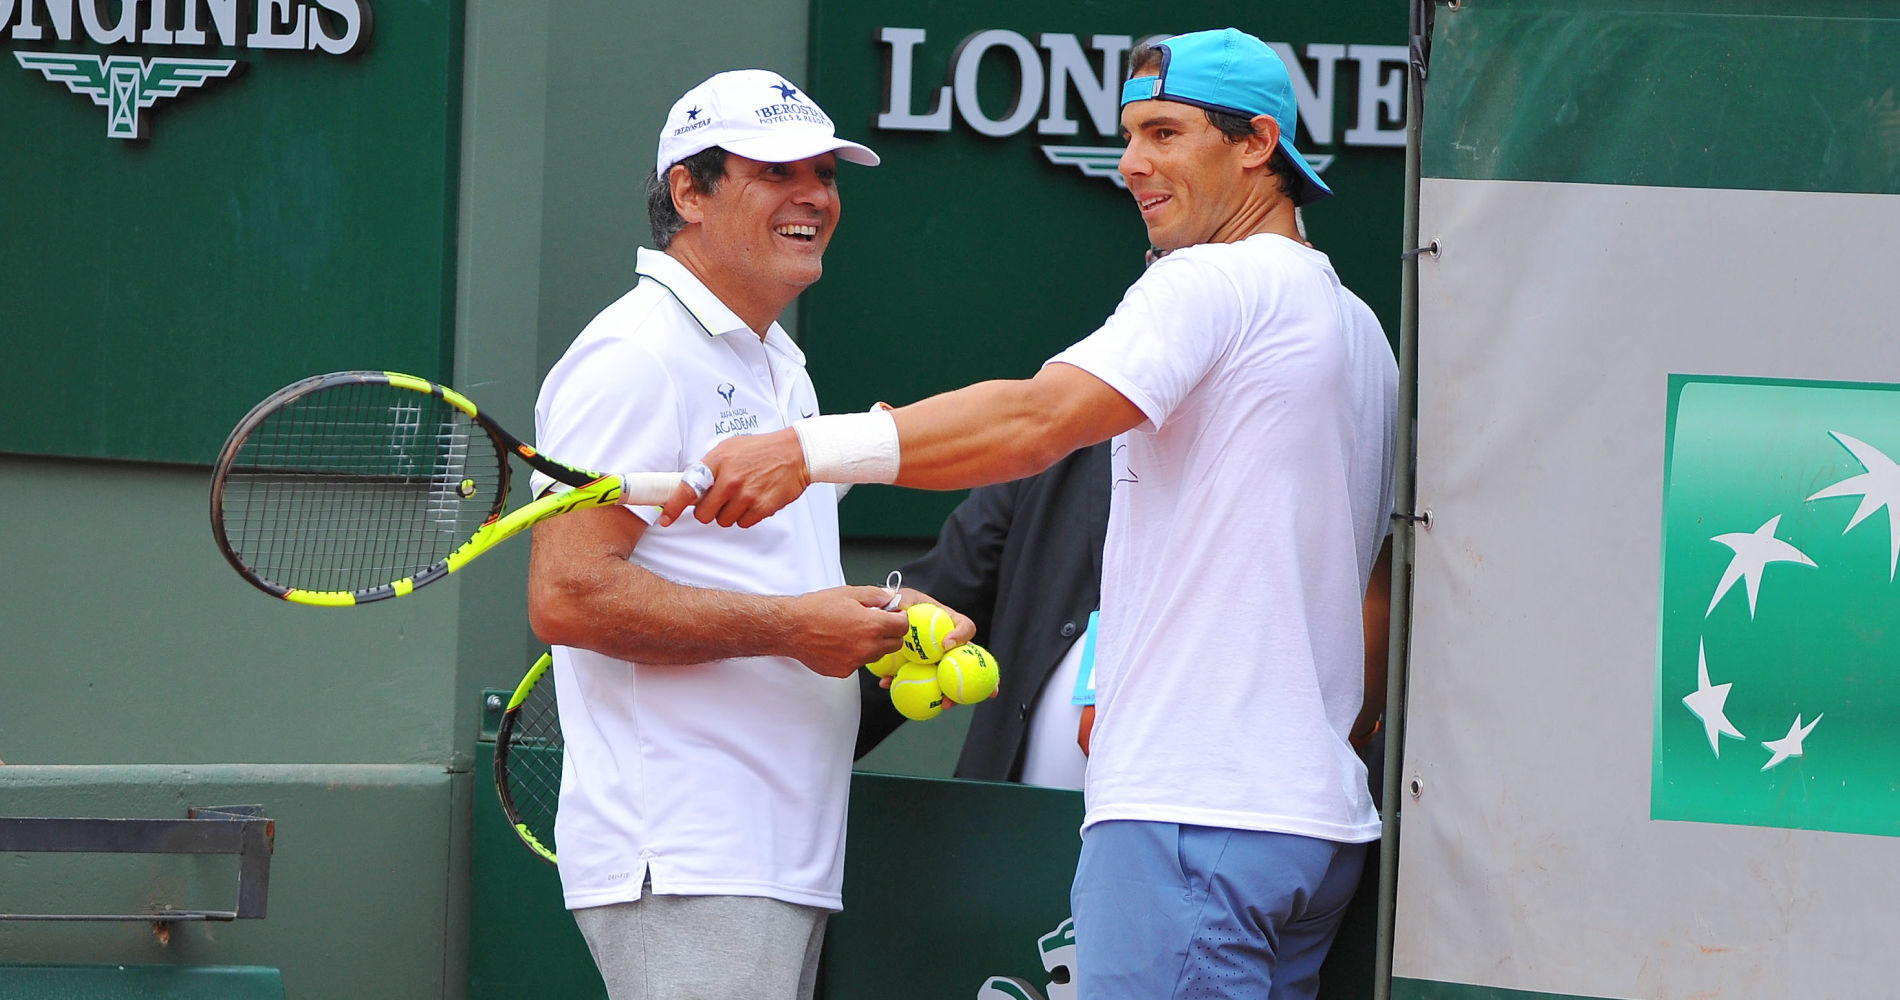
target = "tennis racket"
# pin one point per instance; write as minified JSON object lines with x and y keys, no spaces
{"x":354,"y":487}
{"x":528,"y":753}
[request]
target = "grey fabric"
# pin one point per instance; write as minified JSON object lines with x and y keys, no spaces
{"x":705,"y":947}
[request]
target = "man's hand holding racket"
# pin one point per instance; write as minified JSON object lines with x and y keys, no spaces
{"x":753,"y":477}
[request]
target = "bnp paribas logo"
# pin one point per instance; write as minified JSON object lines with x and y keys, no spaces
{"x":128,"y":85}
{"x":1040,"y":75}
{"x":1778,"y":665}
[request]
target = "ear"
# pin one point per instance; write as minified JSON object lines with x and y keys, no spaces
{"x":687,"y":197}
{"x":1258,"y":148}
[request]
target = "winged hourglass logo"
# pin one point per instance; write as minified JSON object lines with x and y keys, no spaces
{"x":125,"y":84}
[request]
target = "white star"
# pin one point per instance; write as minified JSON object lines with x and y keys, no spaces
{"x":1753,"y":552}
{"x":1790,"y":745}
{"x":1878,"y":487}
{"x":1707,"y":702}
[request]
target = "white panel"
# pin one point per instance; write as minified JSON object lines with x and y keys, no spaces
{"x":1548,"y":330}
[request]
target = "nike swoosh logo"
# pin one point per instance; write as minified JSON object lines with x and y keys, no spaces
{"x":807,"y":416}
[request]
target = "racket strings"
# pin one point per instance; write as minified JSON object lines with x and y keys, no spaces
{"x":532,"y":770}
{"x":354,"y":486}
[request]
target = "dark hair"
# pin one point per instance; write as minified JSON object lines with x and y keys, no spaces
{"x":705,"y":169}
{"x":1147,"y":55}
{"x":1232,"y":127}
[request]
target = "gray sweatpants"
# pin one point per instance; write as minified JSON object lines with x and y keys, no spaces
{"x":710,"y":947}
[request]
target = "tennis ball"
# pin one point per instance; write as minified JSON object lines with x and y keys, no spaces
{"x":929,"y":626}
{"x":886,"y":665}
{"x":967,"y":674}
{"x":915,"y":692}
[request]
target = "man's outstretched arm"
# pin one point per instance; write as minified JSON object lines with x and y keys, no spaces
{"x":990,"y":432}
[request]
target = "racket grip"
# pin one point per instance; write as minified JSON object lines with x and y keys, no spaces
{"x":648,"y":488}
{"x":656,"y":488}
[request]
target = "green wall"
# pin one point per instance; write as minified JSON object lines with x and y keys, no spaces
{"x":130,"y":641}
{"x":289,"y":218}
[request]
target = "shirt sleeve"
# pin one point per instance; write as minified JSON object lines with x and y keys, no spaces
{"x":1171,"y":328}
{"x":610,"y":408}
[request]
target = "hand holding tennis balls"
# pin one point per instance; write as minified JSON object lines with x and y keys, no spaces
{"x":913,"y":672}
{"x":930,"y":625}
{"x":968,"y":674}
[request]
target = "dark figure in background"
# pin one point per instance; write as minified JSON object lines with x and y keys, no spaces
{"x":1024,"y":560}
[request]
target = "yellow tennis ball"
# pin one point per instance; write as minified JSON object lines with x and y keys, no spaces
{"x":886,"y":665}
{"x":915,"y":692}
{"x":968,"y":674}
{"x":929,"y":627}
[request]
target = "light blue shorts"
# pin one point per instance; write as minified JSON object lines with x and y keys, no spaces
{"x":1165,"y":910}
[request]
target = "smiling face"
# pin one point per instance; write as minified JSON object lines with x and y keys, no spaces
{"x":1191,"y":184}
{"x":759,"y":239}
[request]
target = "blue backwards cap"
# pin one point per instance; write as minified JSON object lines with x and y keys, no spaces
{"x":1235,"y":73}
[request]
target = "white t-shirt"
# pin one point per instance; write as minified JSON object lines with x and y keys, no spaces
{"x":1052,"y":758}
{"x":721,"y":778}
{"x":1245,"y":517}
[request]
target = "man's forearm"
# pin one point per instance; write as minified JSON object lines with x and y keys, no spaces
{"x":986,"y":433}
{"x":1377,"y":620}
{"x":1005,"y":429}
{"x":990,"y":432}
{"x":630,"y":613}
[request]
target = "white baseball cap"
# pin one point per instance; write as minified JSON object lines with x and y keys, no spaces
{"x":756,"y":114}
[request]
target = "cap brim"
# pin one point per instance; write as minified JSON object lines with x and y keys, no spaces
{"x":1312,"y":189}
{"x":785,"y":149}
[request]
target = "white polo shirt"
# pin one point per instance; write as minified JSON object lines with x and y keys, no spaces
{"x":720,"y":778}
{"x":1244,"y":519}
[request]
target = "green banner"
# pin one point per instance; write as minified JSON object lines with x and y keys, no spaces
{"x":1697,"y":93}
{"x":1776,"y":696}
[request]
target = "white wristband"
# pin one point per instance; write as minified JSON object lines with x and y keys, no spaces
{"x":849,"y":447}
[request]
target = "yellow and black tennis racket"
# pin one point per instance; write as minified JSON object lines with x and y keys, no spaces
{"x":353,"y":487}
{"x":528,"y":755}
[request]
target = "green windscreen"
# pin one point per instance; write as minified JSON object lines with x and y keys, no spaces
{"x":1699,"y":93}
{"x":288,"y":215}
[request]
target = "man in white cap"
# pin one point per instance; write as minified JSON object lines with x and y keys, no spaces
{"x":1253,"y":414}
{"x":705,"y":674}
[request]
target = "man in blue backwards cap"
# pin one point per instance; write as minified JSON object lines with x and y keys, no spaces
{"x":1252,"y":407}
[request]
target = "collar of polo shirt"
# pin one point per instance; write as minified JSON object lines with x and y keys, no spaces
{"x":712,"y":315}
